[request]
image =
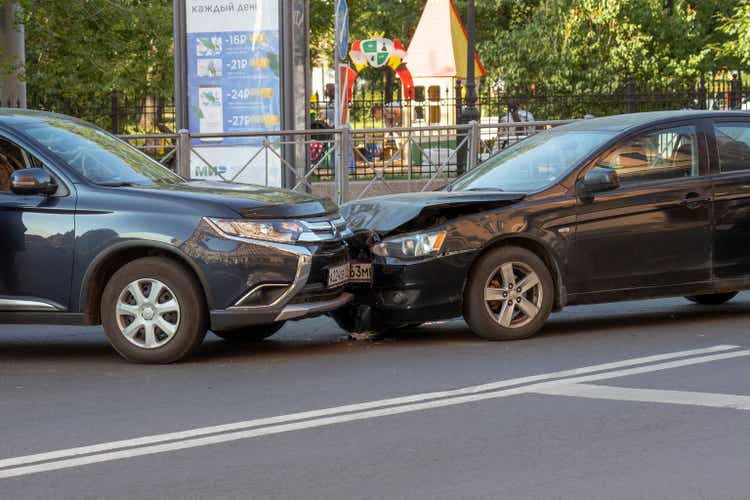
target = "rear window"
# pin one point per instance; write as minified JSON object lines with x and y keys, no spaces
{"x":733,"y":144}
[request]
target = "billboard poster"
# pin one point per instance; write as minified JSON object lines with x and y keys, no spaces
{"x":233,"y":85}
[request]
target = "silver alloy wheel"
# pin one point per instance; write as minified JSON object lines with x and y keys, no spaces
{"x":513,"y":294}
{"x":148,"y":313}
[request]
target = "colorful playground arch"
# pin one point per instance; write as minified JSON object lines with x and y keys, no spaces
{"x":378,"y":52}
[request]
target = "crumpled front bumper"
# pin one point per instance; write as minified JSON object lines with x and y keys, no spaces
{"x":237,"y":317}
{"x":269,"y":301}
{"x":404,"y":292}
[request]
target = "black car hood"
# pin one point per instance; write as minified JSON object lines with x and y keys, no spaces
{"x":248,"y":200}
{"x":385,"y":214}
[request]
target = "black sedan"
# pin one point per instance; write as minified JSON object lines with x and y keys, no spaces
{"x":93,"y":231}
{"x":608,"y":209}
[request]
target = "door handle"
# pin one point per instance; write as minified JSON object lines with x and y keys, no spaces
{"x":695,"y":200}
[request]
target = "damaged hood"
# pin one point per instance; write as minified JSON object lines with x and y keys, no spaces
{"x":384,"y":214}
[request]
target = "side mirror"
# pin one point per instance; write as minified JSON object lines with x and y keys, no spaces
{"x":32,"y":181}
{"x":599,"y":179}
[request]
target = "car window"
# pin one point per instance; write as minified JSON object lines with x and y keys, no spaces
{"x":733,"y":144}
{"x":663,"y":154}
{"x":13,"y":158}
{"x":534,"y":163}
{"x":97,"y":155}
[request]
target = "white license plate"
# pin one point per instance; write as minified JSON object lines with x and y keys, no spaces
{"x":338,"y":275}
{"x":361,"y":273}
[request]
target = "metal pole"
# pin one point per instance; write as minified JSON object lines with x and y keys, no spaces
{"x":302,"y":77}
{"x":337,"y":75}
{"x":473,"y":145}
{"x":342,"y":168}
{"x":12,"y":55}
{"x":470,"y":112}
{"x":342,"y":140}
{"x":180,"y":64}
{"x":183,"y":153}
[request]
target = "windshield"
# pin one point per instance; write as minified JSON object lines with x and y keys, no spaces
{"x":533,"y":163}
{"x":98,"y":156}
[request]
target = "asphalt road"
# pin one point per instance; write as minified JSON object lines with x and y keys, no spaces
{"x":630,"y":400}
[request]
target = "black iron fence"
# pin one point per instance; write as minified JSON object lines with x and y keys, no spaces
{"x":116,"y":112}
{"x":432,"y":106}
{"x":380,"y":151}
{"x":441,"y":105}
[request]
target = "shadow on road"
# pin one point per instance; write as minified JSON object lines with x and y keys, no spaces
{"x":584,"y":319}
{"x":320,"y":337}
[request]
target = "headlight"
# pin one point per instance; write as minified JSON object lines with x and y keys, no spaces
{"x":281,"y":231}
{"x":411,"y":246}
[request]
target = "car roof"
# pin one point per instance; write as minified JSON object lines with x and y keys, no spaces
{"x":12,"y":116}
{"x":621,"y":123}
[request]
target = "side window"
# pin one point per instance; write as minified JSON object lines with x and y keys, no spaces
{"x":13,"y":158}
{"x":663,"y":154}
{"x":733,"y":143}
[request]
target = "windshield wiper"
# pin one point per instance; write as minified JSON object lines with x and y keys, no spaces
{"x":116,"y":184}
{"x":483,"y":189}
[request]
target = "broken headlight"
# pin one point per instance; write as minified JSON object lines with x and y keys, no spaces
{"x":411,"y":246}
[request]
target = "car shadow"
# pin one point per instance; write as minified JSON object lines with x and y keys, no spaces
{"x":596,"y":318}
{"x":321,"y":337}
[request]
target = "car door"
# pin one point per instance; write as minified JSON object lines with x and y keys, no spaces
{"x":729,"y":145}
{"x":655,"y":229}
{"x":36,"y":240}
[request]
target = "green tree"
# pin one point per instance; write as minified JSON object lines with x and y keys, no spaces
{"x":565,"y":43}
{"x":81,"y":49}
{"x":736,"y":27}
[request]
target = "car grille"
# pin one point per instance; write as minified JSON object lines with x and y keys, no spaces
{"x":325,"y":228}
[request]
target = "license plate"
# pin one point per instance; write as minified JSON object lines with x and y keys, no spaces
{"x":361,"y":273}
{"x":338,"y":275}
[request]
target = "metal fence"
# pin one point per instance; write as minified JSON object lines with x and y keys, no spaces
{"x":432,"y":106}
{"x":330,"y":164}
{"x":115,"y":112}
{"x":380,"y":155}
{"x":442,"y":105}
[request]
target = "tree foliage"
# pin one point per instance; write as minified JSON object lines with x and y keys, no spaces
{"x":567,"y":43}
{"x":585,"y":42}
{"x":736,"y":27}
{"x":78,"y":48}
{"x":86,"y":48}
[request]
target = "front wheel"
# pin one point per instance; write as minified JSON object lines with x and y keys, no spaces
{"x":510,"y":294}
{"x":713,"y":299}
{"x":250,"y":334}
{"x":153,"y":311}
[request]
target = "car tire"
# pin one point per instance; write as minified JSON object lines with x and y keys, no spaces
{"x":153,"y":311}
{"x":712,"y":299}
{"x":250,"y":334}
{"x":514,"y":314}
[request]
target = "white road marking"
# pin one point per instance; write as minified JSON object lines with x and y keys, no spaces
{"x":710,"y":399}
{"x":203,"y":431}
{"x":62,"y":459}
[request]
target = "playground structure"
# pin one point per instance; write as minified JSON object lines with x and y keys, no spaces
{"x":439,"y":63}
{"x":431,"y":72}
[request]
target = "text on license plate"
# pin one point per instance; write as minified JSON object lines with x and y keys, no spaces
{"x":338,"y":275}
{"x":361,"y":273}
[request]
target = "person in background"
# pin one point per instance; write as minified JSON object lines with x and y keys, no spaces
{"x":330,"y":104}
{"x":511,"y":135}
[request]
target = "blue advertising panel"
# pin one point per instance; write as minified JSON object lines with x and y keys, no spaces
{"x":233,"y":80}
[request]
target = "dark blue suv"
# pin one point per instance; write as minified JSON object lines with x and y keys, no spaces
{"x":92,"y":231}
